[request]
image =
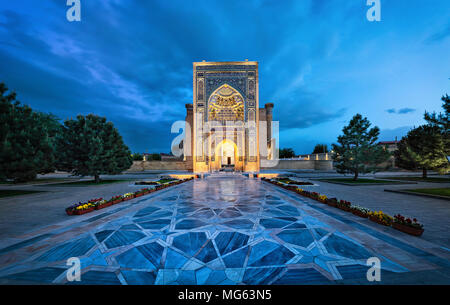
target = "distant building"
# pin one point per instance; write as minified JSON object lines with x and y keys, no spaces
{"x":391,"y":147}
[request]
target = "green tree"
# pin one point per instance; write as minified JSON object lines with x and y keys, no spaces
{"x":320,"y":149}
{"x":357,"y":150}
{"x":286,"y":153}
{"x":423,"y":148}
{"x":91,"y":146}
{"x":155,"y":157}
{"x":137,"y":157}
{"x":427,"y":147}
{"x":26,"y":147}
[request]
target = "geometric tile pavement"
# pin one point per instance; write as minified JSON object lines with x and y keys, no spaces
{"x":220,"y":230}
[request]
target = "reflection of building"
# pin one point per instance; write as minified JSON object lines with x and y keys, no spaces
{"x":225,"y":125}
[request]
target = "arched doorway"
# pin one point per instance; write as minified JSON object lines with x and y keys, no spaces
{"x":226,"y":156}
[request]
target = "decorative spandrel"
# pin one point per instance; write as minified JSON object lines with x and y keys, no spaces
{"x":226,"y":104}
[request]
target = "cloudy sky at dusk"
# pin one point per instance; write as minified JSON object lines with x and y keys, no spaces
{"x":320,"y":61}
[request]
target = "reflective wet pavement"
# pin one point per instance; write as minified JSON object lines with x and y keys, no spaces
{"x":226,"y":229}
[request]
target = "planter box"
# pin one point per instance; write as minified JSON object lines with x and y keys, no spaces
{"x":82,"y":212}
{"x":69,"y":212}
{"x":343,"y":208}
{"x":360,"y":214}
{"x":407,"y":229}
{"x":331,"y":203}
{"x":374,"y":219}
{"x":128,"y":198}
{"x":138,"y":195}
{"x":116,"y":201}
{"x":108,"y":204}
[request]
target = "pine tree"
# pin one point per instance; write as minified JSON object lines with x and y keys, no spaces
{"x":91,"y":146}
{"x":320,"y":149}
{"x":357,"y":150}
{"x":427,"y":147}
{"x":25,"y":145}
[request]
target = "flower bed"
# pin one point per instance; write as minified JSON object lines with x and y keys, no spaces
{"x":407,"y":225}
{"x":398,"y":222}
{"x":100,"y":203}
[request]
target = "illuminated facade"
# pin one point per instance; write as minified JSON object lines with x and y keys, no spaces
{"x":225,"y":126}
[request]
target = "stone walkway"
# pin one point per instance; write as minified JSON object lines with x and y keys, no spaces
{"x":226,"y":229}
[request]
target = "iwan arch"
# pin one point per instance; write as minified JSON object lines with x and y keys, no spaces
{"x":226,"y":126}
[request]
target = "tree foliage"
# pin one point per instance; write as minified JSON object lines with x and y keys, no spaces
{"x":91,"y":146}
{"x":427,"y":147}
{"x":357,"y":150}
{"x":286,"y":153}
{"x":422,"y":148}
{"x":137,"y":157}
{"x":26,"y":139}
{"x":320,"y":149}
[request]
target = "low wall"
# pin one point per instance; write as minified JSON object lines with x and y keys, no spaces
{"x":139,"y":166}
{"x":303,"y":164}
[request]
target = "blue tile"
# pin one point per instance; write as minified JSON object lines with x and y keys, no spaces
{"x":236,"y":259}
{"x":345,"y":248}
{"x":207,"y":254}
{"x":130,"y":227}
{"x":229,"y":241}
{"x":42,"y":275}
{"x":290,"y":210}
{"x":269,"y":254}
{"x":123,"y":238}
{"x":261,"y":276}
{"x":139,"y":277}
{"x":71,"y":249}
{"x":273,"y":223}
{"x":190,"y":242}
{"x":187,"y":277}
{"x":146,"y":211}
{"x":302,"y":277}
{"x":189,"y":224}
{"x":146,"y":256}
{"x":230,"y":213}
{"x":154,"y":224}
{"x":174,"y":259}
{"x":301,"y":237}
{"x":97,"y":278}
{"x":353,"y":271}
{"x":102,"y":235}
{"x":239,"y":224}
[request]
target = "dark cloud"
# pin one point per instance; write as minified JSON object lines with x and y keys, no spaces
{"x":131,"y":60}
{"x":406,"y":110}
{"x":401,"y":110}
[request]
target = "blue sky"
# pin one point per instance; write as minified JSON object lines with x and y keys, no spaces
{"x":320,"y":61}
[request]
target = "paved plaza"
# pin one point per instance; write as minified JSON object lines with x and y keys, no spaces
{"x":224,"y":229}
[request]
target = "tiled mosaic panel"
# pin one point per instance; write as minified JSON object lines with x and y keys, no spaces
{"x":223,"y":231}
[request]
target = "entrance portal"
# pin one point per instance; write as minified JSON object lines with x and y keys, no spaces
{"x":226,"y":156}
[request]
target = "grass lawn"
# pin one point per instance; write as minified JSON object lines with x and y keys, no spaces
{"x":10,"y":193}
{"x":87,"y":183}
{"x":359,"y":181}
{"x":444,"y":179}
{"x":440,"y":192}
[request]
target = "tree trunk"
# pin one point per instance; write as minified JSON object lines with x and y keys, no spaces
{"x":424,"y":173}
{"x":97,"y":179}
{"x":355,"y":177}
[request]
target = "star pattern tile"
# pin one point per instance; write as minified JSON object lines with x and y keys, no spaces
{"x":214,"y":231}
